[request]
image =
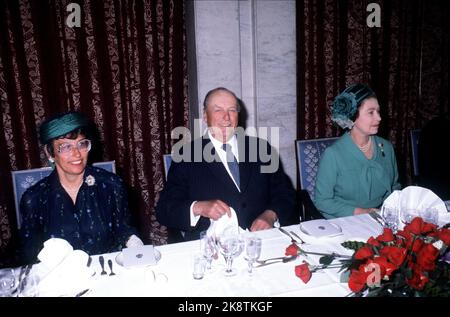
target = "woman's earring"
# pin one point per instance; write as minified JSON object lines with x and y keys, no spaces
{"x":51,"y":162}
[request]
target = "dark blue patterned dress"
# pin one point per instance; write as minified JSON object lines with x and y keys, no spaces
{"x":99,"y":221}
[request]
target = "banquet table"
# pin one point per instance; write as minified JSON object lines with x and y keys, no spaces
{"x":172,"y":275}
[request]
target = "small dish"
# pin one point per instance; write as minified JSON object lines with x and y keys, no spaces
{"x":320,"y":228}
{"x":119,"y":258}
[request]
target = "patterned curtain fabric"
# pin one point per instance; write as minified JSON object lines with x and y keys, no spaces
{"x":405,"y":61}
{"x":124,"y":67}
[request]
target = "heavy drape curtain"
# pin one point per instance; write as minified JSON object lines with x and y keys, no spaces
{"x":405,"y":61}
{"x":124,"y":67}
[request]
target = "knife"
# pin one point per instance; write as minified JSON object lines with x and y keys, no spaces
{"x":82,"y":292}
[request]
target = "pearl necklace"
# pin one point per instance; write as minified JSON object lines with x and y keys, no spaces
{"x":366,"y":147}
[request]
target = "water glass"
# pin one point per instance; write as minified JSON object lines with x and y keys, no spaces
{"x":207,"y":248}
{"x":8,"y":282}
{"x":29,"y":286}
{"x":391,"y":218}
{"x":253,"y":251}
{"x":408,"y":214}
{"x":199,"y":265}
{"x":430,"y":215}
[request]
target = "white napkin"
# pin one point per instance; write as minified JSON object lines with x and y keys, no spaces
{"x":62,"y":271}
{"x":217,"y":227}
{"x":54,"y":251}
{"x":418,"y":198}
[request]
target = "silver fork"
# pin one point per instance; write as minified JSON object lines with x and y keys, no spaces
{"x":287,"y":233}
{"x":297,"y":236}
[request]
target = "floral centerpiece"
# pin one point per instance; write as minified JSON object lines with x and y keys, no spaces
{"x":414,"y":261}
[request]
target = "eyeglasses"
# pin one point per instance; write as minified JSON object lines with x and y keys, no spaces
{"x":82,"y":146}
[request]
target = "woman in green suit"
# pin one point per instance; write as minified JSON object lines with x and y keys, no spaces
{"x":359,"y":170}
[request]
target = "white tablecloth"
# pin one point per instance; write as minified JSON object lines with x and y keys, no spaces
{"x":172,"y":276}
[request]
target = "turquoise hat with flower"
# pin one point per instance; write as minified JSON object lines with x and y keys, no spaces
{"x":346,"y":104}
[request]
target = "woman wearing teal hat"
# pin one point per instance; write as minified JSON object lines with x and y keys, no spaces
{"x":359,"y":170}
{"x":87,"y":206}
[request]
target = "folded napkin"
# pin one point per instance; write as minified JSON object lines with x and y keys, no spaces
{"x":54,"y":251}
{"x":224,"y":223}
{"x":416,"y":198}
{"x":62,"y":271}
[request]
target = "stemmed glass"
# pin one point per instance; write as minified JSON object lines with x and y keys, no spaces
{"x":230,"y":245}
{"x":253,"y":251}
{"x":391,"y":218}
{"x":408,"y":214}
{"x":430,"y":215}
{"x":207,"y":248}
{"x":8,"y":282}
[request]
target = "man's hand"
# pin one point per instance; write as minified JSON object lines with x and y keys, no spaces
{"x":264,"y":221}
{"x":213,"y":209}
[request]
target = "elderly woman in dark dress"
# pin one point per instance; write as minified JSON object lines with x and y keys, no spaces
{"x":87,"y":206}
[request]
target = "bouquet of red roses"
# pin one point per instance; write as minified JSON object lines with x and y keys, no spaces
{"x":412,"y":262}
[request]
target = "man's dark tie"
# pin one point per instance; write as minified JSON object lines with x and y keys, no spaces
{"x":233,"y":165}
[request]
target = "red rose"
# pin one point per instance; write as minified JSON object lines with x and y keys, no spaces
{"x":426,"y":257}
{"x":303,"y":272}
{"x":386,"y":268}
{"x":292,"y":249}
{"x":444,"y":235}
{"x":415,"y":226}
{"x":395,"y":255}
{"x":418,"y":280}
{"x":387,"y":235}
{"x":417,"y":245}
{"x":363,"y":253}
{"x":374,"y":242}
{"x":429,"y":229}
{"x":357,"y":280}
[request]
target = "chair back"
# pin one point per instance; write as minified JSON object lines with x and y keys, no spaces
{"x":23,"y":179}
{"x":414,"y":135}
{"x":167,"y":161}
{"x":308,"y":157}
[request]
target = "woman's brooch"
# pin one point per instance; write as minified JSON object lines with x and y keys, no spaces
{"x":381,"y":148}
{"x":90,"y":180}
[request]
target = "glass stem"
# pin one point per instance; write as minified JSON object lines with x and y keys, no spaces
{"x":229,"y":264}
{"x":250,"y":267}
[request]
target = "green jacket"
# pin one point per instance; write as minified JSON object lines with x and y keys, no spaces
{"x":346,"y":179}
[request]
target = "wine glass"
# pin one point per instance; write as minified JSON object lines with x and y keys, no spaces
{"x":430,"y":215}
{"x":8,"y":282}
{"x":207,"y":248}
{"x":391,"y":218}
{"x":253,"y":251}
{"x":230,"y":245}
{"x":408,"y":214}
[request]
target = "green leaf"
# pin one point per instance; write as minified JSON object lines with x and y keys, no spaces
{"x":353,"y":245}
{"x":326,"y":259}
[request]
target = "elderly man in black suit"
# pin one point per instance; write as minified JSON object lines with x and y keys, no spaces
{"x":225,"y":169}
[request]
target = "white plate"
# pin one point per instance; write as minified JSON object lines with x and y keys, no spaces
{"x":320,"y":228}
{"x":119,"y":257}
